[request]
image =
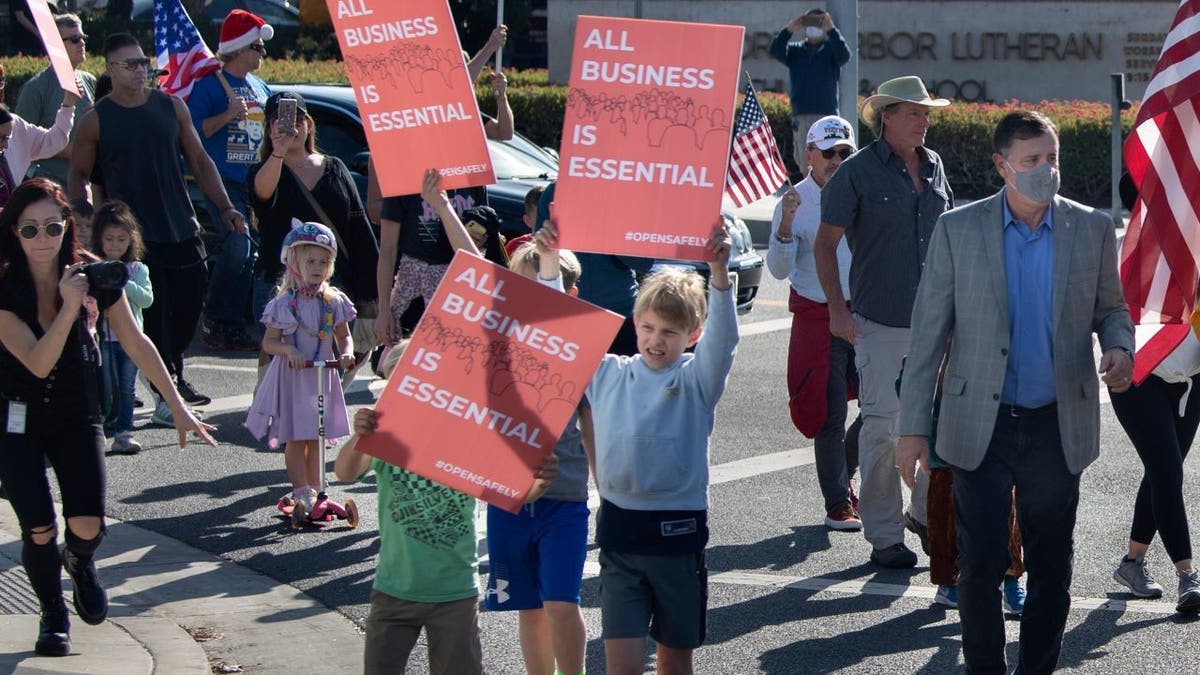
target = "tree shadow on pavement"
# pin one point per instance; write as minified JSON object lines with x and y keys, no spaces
{"x":1084,"y":645}
{"x":921,"y":629}
{"x":778,"y":553}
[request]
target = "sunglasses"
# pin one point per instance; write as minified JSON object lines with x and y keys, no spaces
{"x":133,"y":64}
{"x":30,"y":230}
{"x":828,"y":154}
{"x":75,"y":39}
{"x":261,"y":49}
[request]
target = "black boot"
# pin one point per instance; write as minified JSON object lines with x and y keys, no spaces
{"x":54,"y":632}
{"x":91,"y":600}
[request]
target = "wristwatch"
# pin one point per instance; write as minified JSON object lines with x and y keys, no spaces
{"x":782,"y":240}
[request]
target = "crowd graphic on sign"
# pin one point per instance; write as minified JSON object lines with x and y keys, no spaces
{"x":414,"y":64}
{"x":516,"y":366}
{"x":452,"y":338}
{"x":660,"y":112}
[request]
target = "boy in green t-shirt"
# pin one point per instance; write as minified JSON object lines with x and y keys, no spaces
{"x":425,"y":575}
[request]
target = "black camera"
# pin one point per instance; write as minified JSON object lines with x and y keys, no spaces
{"x":105,"y":275}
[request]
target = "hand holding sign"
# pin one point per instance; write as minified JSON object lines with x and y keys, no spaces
{"x":55,"y":48}
{"x":493,"y":372}
{"x":646,"y":136}
{"x":417,"y":104}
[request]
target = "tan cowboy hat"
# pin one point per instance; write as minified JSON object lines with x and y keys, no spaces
{"x":908,"y":89}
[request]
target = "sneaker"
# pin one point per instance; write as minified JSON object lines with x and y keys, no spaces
{"x":189,"y":393}
{"x":1134,"y":575}
{"x":125,"y":444}
{"x":1014,"y":596}
{"x":912,"y":525}
{"x":843,"y":518}
{"x":947,"y":596}
{"x":54,"y":632}
{"x":305,"y":496}
{"x":1189,"y":593}
{"x":896,"y":556}
{"x":91,"y":600}
{"x":162,"y":415}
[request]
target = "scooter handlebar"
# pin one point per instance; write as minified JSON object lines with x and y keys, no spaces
{"x":332,"y":363}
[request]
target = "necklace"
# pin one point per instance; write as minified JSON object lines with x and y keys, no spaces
{"x":324,"y":329}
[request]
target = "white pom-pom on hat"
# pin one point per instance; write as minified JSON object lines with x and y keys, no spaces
{"x":242,"y":29}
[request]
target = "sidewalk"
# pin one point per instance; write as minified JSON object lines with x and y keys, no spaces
{"x":159,"y":591}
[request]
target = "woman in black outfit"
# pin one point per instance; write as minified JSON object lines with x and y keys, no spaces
{"x":293,"y":175}
{"x":1161,"y":415}
{"x":49,"y":400}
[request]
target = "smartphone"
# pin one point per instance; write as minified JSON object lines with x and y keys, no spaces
{"x":812,"y":20}
{"x":287,"y":115}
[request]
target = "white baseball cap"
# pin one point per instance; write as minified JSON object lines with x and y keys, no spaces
{"x":830,"y":131}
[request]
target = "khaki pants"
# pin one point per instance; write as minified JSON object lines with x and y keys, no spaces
{"x":877,"y":356}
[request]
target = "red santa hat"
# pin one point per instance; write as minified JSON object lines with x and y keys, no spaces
{"x":242,"y":29}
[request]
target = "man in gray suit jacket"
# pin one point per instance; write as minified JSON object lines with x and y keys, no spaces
{"x":1014,"y":286}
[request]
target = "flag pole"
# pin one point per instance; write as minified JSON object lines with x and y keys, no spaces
{"x":499,"y":22}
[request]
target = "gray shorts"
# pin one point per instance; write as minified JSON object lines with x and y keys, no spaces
{"x":667,"y":594}
{"x":451,"y":629}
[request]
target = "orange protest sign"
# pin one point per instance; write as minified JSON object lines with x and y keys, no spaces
{"x":54,"y":45}
{"x":416,"y":101}
{"x":646,"y":136}
{"x":489,"y":380}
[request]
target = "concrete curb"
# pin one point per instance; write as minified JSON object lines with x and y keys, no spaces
{"x":159,"y":588}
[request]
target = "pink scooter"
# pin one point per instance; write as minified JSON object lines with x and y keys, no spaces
{"x":323,"y":510}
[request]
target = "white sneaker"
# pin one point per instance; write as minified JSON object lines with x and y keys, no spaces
{"x":162,"y":414}
{"x":125,"y":444}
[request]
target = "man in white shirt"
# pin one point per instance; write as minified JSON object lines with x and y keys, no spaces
{"x":820,"y":365}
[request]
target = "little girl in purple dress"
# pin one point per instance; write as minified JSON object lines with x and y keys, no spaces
{"x":307,"y":321}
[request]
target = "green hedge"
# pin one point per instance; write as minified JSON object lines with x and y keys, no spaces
{"x":961,"y":133}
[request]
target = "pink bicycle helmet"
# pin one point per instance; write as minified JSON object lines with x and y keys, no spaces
{"x":314,"y":234}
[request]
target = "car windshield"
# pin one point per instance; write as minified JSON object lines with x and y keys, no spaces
{"x":521,"y":159}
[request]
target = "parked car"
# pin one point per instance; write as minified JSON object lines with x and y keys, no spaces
{"x":277,"y":13}
{"x":519,"y":165}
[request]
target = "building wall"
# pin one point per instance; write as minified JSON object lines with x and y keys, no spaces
{"x":973,"y":50}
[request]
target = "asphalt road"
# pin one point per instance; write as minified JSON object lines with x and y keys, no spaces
{"x":786,"y":596}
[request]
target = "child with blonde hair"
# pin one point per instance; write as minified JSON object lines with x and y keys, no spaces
{"x":116,"y":235}
{"x":307,"y":321}
{"x":653,"y":414}
{"x":536,"y":556}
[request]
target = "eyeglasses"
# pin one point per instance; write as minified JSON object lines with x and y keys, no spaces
{"x":75,"y":39}
{"x":30,"y":230}
{"x":261,"y":49}
{"x":828,"y":154}
{"x":133,"y":64}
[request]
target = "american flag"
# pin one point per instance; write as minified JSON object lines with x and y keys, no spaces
{"x":1160,"y":257}
{"x":180,"y":49}
{"x":755,"y":168}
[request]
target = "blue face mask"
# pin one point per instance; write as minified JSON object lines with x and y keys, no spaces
{"x":1039,"y":185}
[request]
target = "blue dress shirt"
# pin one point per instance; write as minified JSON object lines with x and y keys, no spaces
{"x":1029,"y":273}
